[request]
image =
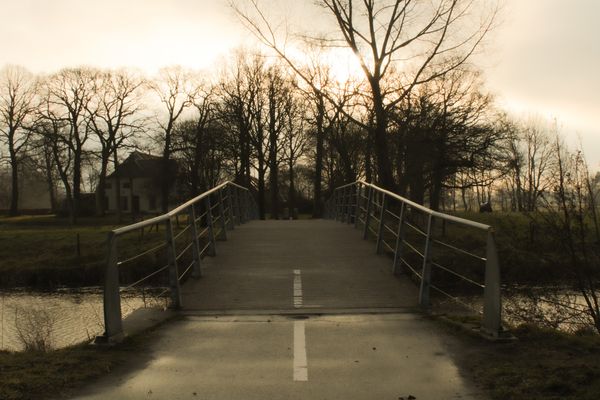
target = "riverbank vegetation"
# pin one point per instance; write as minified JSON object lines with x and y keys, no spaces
{"x":542,"y":364}
{"x":54,"y":374}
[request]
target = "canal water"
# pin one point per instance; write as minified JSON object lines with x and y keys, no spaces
{"x":61,"y":318}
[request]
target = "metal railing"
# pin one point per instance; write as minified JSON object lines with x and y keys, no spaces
{"x":399,"y":224}
{"x":207,"y":218}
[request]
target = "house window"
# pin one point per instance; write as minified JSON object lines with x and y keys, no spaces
{"x":124,"y":203}
{"x":126,"y":185}
{"x":152,"y":202}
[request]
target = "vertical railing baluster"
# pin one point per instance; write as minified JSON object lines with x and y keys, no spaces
{"x":113,"y":325}
{"x":246,"y":205}
{"x":240,"y":202}
{"x":348,"y":200}
{"x":368,"y":213}
{"x":426,"y":272}
{"x":380,"y":230}
{"x":351,"y":205}
{"x":357,"y":210}
{"x":230,"y":207}
{"x":173,"y":270}
{"x":222,"y":217}
{"x":336,"y":204}
{"x":399,"y":240}
{"x":196,"y":270}
{"x":236,"y":202}
{"x":212,"y":251}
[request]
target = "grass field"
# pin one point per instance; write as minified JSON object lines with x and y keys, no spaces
{"x":46,"y":251}
{"x":42,"y":251}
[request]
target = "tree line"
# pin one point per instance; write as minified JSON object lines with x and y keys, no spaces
{"x":417,"y":119}
{"x":449,"y":146}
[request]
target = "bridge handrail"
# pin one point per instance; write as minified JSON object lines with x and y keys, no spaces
{"x":233,"y":204}
{"x":345,"y":205}
{"x":436,"y":214}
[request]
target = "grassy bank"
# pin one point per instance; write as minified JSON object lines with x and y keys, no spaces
{"x":46,"y":251}
{"x":541,"y":364}
{"x":38,"y":375}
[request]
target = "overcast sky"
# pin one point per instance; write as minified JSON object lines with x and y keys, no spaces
{"x":543,"y":58}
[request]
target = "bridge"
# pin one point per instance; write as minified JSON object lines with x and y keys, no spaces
{"x":333,"y":305}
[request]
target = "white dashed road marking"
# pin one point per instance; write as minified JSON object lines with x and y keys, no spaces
{"x":297,"y":289}
{"x":300,"y":362}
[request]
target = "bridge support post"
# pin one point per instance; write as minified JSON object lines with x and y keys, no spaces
{"x":357,"y":210}
{"x":335,"y":204}
{"x":173,"y":270}
{"x":230,"y":207}
{"x":399,"y":241}
{"x":344,"y":204}
{"x":196,"y":270}
{"x":212,"y":251}
{"x":113,"y":324}
{"x":380,"y":229}
{"x":492,"y":307}
{"x":368,"y":213}
{"x":246,"y":203}
{"x":223,"y":235}
{"x":426,"y":272}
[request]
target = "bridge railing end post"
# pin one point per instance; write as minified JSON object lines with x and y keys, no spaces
{"x":492,"y":306}
{"x":113,"y":323}
{"x":173,"y":270}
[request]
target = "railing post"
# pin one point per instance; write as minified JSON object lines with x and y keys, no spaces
{"x":236,"y":205}
{"x":399,"y":240}
{"x":113,"y":324}
{"x":368,"y":213}
{"x":380,"y":229}
{"x":196,"y":270}
{"x":240,"y":201}
{"x":351,"y":204}
{"x":230,"y":203}
{"x":212,"y":251}
{"x":357,"y":210}
{"x":335,"y":204}
{"x":173,"y":270}
{"x":222,"y":216}
{"x":246,"y":201}
{"x":344,"y":205}
{"x":426,"y":273}
{"x":492,"y":307}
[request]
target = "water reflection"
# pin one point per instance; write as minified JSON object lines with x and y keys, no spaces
{"x":68,"y":317}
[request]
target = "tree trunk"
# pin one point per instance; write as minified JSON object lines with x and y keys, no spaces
{"x":318,"y":207}
{"x":379,"y":135}
{"x":292,"y":192}
{"x":14,"y":198}
{"x":101,"y":186}
{"x":261,"y":186}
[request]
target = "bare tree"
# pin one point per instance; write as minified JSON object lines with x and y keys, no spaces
{"x":571,"y":214}
{"x":114,"y":119}
{"x":63,"y":120}
{"x":17,"y":97}
{"x":176,"y":91}
{"x":428,"y":38}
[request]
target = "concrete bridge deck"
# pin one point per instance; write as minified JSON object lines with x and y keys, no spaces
{"x":255,"y":270}
{"x":264,"y":323}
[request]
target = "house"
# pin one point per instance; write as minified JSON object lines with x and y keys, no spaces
{"x":140,"y":177}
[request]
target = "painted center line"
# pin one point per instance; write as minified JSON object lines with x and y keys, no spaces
{"x":300,"y":362}
{"x":297,"y":289}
